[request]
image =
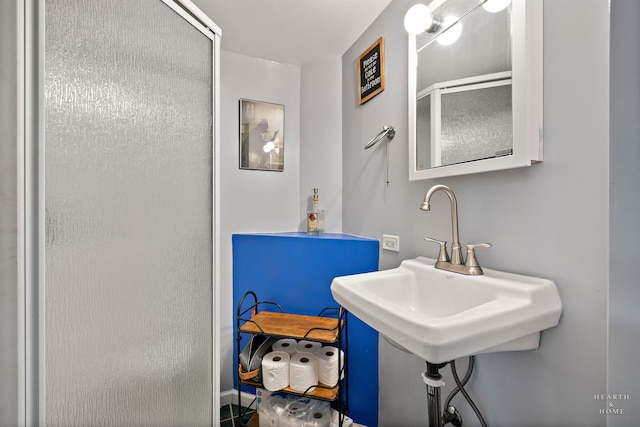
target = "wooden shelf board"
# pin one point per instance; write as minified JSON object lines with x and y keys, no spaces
{"x":323,"y":393}
{"x":293,"y":325}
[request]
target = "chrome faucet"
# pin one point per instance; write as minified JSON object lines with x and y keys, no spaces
{"x":455,"y":264}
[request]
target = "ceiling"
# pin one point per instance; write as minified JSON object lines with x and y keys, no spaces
{"x":291,"y":31}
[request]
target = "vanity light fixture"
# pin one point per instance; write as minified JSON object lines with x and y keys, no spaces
{"x":452,"y":32}
{"x":495,"y":6}
{"x":419,"y":19}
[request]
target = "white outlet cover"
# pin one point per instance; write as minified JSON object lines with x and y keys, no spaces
{"x":391,"y":243}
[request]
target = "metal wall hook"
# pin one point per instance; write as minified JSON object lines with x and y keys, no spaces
{"x":388,"y":131}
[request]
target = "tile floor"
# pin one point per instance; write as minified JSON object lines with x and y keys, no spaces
{"x":229,"y":416}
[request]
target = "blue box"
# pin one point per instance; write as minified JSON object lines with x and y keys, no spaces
{"x":295,"y":270}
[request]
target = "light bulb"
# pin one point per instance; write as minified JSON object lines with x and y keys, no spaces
{"x":452,"y":32}
{"x":495,"y":6}
{"x":417,"y":19}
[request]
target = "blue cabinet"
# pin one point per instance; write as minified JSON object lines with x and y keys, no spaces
{"x":295,"y":270}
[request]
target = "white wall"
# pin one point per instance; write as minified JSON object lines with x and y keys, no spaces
{"x":321,"y":139}
{"x":624,"y":292}
{"x":550,"y":220}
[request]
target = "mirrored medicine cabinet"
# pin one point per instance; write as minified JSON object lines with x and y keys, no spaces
{"x":475,"y":99}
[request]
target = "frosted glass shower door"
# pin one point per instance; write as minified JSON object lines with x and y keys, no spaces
{"x":128,"y":257}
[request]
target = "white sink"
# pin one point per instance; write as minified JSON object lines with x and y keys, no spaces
{"x":441,"y":316}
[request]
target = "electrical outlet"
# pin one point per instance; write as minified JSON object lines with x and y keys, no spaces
{"x":391,"y":243}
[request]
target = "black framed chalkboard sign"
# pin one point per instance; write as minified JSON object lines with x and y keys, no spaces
{"x":371,"y":72}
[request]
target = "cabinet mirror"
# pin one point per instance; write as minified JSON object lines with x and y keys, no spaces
{"x":475,"y":88}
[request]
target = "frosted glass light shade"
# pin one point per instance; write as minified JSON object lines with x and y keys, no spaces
{"x":494,"y":6}
{"x":451,"y":34}
{"x":417,"y":19}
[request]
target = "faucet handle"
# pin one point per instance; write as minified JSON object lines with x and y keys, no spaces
{"x":443,"y":256}
{"x":471,"y":254}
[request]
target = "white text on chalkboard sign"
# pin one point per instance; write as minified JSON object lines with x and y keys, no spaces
{"x":371,"y":72}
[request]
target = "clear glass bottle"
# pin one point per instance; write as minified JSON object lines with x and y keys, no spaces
{"x":315,"y":216}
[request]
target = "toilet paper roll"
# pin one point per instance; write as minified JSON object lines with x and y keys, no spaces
{"x":330,"y":359}
{"x":303,"y":371}
{"x":271,"y":410}
{"x":320,"y":417}
{"x":275,"y":370}
{"x":286,"y":344}
{"x":278,"y":405}
{"x":309,"y":346}
{"x":294,"y":414}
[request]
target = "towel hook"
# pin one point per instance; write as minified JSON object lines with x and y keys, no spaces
{"x":388,"y":131}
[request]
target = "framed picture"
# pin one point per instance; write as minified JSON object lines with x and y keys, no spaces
{"x":261,"y":135}
{"x":371,"y":71}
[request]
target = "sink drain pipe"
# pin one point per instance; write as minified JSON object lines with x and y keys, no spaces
{"x":434,"y":382}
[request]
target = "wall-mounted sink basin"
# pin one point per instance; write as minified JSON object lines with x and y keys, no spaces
{"x":441,"y":316}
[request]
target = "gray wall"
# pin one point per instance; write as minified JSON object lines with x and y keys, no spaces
{"x":8,"y":217}
{"x":550,"y":220}
{"x":624,"y":292}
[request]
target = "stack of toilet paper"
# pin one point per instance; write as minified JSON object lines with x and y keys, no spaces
{"x":288,"y":345}
{"x":301,"y":365}
{"x":308,"y":346}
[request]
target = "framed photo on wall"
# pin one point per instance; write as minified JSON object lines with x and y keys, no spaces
{"x":261,"y":135}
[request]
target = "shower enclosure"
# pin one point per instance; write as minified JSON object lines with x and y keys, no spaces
{"x":120,"y":213}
